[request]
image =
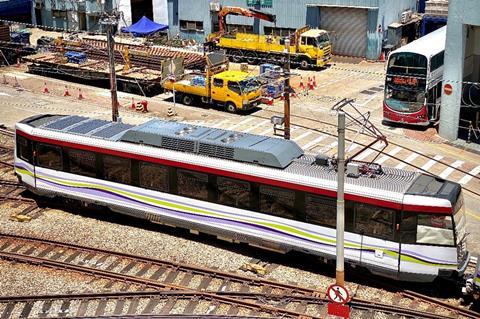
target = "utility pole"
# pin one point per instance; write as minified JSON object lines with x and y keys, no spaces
{"x":286,"y":91}
{"x":111,"y":20}
{"x":340,"y":267}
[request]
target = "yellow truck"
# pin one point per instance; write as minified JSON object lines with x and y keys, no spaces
{"x":308,"y":47}
{"x":233,"y":90}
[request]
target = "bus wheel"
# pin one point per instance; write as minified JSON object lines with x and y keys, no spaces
{"x":230,"y":107}
{"x":236,"y":55}
{"x":187,"y":100}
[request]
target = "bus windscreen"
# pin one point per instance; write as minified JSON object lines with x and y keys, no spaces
{"x":406,"y":63}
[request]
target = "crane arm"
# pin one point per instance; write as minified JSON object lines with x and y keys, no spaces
{"x":222,"y":16}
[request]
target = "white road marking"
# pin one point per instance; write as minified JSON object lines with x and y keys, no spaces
{"x":328,"y":147}
{"x":251,"y":128}
{"x":314,"y":142}
{"x":449,"y":170}
{"x":267,"y":131}
{"x":5,"y":94}
{"x":351,"y":147}
{"x":364,"y":154}
{"x":219,"y":124}
{"x":431,"y":162}
{"x":392,"y":153}
{"x":298,"y":138}
{"x":474,"y":172}
{"x":233,"y":127}
{"x":408,"y":160}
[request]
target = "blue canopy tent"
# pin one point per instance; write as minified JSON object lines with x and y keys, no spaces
{"x":144,"y":27}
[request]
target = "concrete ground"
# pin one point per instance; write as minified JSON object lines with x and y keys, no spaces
{"x":362,"y":81}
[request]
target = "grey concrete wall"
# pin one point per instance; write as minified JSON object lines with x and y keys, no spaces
{"x":461,"y":56}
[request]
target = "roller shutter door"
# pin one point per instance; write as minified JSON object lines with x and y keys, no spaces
{"x":349,"y":29}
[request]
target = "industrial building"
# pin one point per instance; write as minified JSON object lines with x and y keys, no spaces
{"x":357,"y":27}
{"x":84,"y":15}
{"x":461,"y":77}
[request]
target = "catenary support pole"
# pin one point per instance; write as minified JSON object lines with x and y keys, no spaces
{"x":111,"y":21}
{"x":286,"y":91}
{"x":340,"y":268}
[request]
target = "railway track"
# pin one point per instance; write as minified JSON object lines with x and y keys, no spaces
{"x":169,"y":276}
{"x":135,"y":304}
{"x":186,"y":303}
{"x":330,"y":129}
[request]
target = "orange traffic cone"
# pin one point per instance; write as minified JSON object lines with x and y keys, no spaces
{"x":314,"y":82}
{"x":381,"y":58}
{"x":66,"y":93}
{"x":302,"y":86}
{"x":80,"y":95}
{"x":133,"y":103}
{"x":17,"y":85}
{"x":310,"y":84}
{"x":45,"y":88}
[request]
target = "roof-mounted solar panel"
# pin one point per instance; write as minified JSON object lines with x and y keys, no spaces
{"x":65,"y":122}
{"x":112,"y":130}
{"x":88,"y":126}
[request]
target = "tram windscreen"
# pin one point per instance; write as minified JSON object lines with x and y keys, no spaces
{"x":405,"y":82}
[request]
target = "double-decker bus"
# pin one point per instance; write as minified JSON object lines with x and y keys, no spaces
{"x":413,"y":82}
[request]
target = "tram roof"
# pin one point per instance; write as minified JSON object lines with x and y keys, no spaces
{"x":427,"y":45}
{"x":182,"y":137}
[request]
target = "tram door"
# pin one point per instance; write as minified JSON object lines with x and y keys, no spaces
{"x":376,"y":225}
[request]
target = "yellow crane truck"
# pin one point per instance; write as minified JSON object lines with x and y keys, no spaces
{"x":308,"y":47}
{"x":233,"y":90}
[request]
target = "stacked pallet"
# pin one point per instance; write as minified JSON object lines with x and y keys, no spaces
{"x":4,"y":33}
{"x":437,"y":8}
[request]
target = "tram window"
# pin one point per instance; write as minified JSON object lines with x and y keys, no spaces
{"x":320,"y":210}
{"x":49,"y":156}
{"x":154,"y":176}
{"x":435,"y":229}
{"x":374,"y":221}
{"x":233,"y":192}
{"x":82,"y":162}
{"x":192,"y":184}
{"x":408,"y":228}
{"x":117,"y":169}
{"x":24,"y":149}
{"x":277,"y":201}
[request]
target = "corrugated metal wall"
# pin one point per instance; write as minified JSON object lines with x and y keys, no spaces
{"x":348,"y":29}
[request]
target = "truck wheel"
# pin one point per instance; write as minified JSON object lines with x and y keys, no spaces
{"x":236,"y":55}
{"x":230,"y":107}
{"x":304,"y":64}
{"x":187,"y":99}
{"x":251,"y":57}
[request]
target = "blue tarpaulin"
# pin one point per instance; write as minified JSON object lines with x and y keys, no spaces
{"x":13,"y":8}
{"x":144,"y":27}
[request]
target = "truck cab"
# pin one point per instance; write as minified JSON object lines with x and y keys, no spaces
{"x":315,"y":43}
{"x":235,"y":91}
